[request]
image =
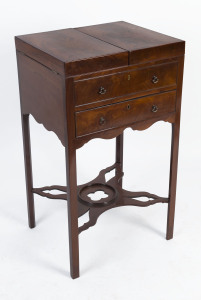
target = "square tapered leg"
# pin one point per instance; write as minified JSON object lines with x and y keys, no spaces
{"x":28,"y":170}
{"x":119,"y":152}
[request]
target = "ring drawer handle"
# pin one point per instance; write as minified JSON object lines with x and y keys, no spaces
{"x":155,"y":79}
{"x":102,"y":90}
{"x":154,"y":108}
{"x":102,"y":121}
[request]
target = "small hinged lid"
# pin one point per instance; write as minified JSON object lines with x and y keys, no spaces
{"x":143,"y":44}
{"x":71,"y":52}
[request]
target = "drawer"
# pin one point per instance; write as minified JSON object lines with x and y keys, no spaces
{"x":124,"y":113}
{"x":125,"y":83}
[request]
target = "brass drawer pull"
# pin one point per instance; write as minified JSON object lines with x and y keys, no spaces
{"x":102,"y":90}
{"x":155,"y":79}
{"x":102,"y":121}
{"x":154,"y":108}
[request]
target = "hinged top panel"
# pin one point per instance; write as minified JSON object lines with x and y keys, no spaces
{"x":143,"y":44}
{"x":100,"y":47}
{"x":71,"y":52}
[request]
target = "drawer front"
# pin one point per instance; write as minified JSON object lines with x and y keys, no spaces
{"x":128,"y":82}
{"x":124,"y":113}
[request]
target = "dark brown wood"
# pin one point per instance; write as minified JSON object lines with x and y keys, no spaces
{"x":71,"y":181}
{"x":28,"y":170}
{"x":124,"y":197}
{"x":124,"y":113}
{"x":119,"y":152}
{"x":27,"y":152}
{"x":70,"y":52}
{"x":41,"y":95}
{"x":96,"y":208}
{"x":142,"y":65}
{"x":142,"y":44}
{"x":114,"y":132}
{"x":118,"y":98}
{"x":125,"y":83}
{"x":174,"y":154}
{"x":94,"y":82}
{"x":43,"y":192}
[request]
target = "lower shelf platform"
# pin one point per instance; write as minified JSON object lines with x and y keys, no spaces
{"x":115,"y":195}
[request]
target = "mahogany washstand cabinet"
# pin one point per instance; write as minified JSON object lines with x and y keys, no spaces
{"x":94,"y":82}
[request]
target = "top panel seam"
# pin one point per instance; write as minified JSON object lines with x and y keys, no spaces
{"x":126,"y":50}
{"x":101,"y":39}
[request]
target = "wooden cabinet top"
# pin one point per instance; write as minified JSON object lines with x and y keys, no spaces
{"x":88,"y":49}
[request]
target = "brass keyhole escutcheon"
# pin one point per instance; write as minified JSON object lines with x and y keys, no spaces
{"x":128,"y":106}
{"x":129,"y":77}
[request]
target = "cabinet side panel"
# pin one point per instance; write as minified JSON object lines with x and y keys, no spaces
{"x":41,"y":94}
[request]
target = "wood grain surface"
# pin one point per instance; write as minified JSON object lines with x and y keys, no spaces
{"x":124,"y":113}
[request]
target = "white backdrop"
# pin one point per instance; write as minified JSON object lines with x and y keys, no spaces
{"x":125,"y":256}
